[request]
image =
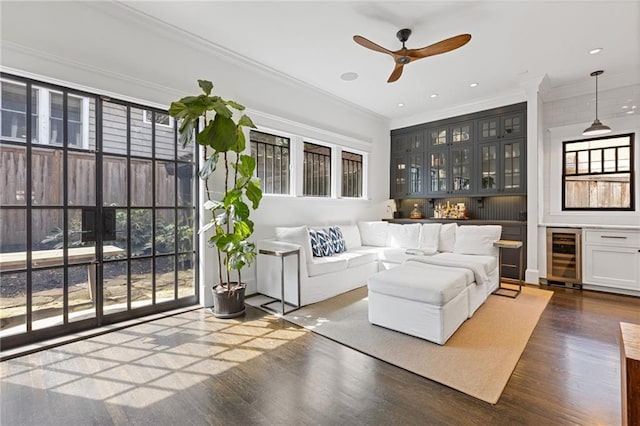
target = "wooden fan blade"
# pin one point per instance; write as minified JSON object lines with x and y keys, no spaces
{"x":370,"y":45}
{"x":397,"y":72}
{"x":443,"y":46}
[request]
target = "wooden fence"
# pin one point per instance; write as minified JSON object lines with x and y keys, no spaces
{"x":47,"y":188}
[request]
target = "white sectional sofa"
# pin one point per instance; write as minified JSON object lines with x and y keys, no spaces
{"x":372,"y":247}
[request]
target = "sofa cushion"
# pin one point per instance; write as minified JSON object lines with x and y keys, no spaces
{"x":337,"y":239}
{"x":326,"y":265}
{"x":324,"y":241}
{"x":416,"y":283}
{"x":474,"y":239}
{"x":447,"y":239}
{"x":403,"y":236}
{"x":356,"y":258}
{"x":430,"y":236}
{"x":296,"y":235}
{"x":373,"y":233}
{"x":488,"y":262}
{"x":351,"y":235}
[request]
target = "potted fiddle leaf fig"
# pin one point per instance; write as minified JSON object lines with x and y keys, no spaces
{"x":211,"y":121}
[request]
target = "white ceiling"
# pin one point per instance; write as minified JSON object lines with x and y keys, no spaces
{"x":512,"y":42}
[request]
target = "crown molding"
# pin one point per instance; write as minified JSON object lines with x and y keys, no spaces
{"x":209,"y":47}
{"x":67,"y":62}
{"x":512,"y":97}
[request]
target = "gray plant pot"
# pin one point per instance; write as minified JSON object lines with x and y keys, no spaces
{"x":228,"y":304}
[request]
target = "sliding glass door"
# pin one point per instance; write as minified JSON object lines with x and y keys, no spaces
{"x":96,"y":212}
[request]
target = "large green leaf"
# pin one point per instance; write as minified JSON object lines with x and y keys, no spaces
{"x":224,"y":133}
{"x":221,"y":108}
{"x":240,"y":210}
{"x":186,"y":131}
{"x":246,"y":165}
{"x":235,"y":105}
{"x":245,"y":121}
{"x":178,"y":110}
{"x":241,"y":142}
{"x":208,"y":166}
{"x":232,"y":197}
{"x":206,"y":135}
{"x":206,"y":86}
{"x":254,"y":194}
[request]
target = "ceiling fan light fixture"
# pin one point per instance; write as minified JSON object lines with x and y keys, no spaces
{"x":597,"y":128}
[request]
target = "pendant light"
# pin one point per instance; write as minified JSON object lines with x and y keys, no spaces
{"x":597,"y":128}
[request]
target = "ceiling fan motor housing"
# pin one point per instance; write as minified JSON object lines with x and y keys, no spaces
{"x":403,"y":34}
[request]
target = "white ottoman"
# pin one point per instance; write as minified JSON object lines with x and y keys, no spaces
{"x":418,"y":301}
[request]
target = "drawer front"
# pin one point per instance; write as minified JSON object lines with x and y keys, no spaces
{"x":614,"y":237}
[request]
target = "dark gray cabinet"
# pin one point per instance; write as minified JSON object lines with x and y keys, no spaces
{"x":407,"y":165}
{"x":480,"y":154}
{"x":508,"y":125}
{"x":449,"y":157}
{"x":501,"y":167}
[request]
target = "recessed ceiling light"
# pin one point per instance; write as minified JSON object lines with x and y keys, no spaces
{"x":349,"y":76}
{"x":596,"y":50}
{"x":434,"y":95}
{"x":625,"y":106}
{"x":400,"y":105}
{"x":630,"y":112}
{"x":473,"y":85}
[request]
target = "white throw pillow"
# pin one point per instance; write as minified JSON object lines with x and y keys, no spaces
{"x":403,"y":236}
{"x":373,"y":233}
{"x":430,"y":236}
{"x":351,"y":235}
{"x":477,"y":239}
{"x":296,"y":235}
{"x":447,"y":238}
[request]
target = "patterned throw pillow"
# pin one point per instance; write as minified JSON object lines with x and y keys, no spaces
{"x":324,"y":241}
{"x":315,"y":244}
{"x":337,"y":239}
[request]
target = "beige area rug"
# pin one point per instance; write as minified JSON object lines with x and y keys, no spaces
{"x":477,"y":360}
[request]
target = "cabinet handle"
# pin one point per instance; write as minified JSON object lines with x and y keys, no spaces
{"x":617,"y":237}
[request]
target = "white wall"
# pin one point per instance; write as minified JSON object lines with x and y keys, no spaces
{"x":104,"y":48}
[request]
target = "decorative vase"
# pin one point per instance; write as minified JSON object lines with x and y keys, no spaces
{"x":228,"y":304}
{"x":415,"y":213}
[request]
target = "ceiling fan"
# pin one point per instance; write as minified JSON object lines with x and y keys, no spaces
{"x":404,"y":56}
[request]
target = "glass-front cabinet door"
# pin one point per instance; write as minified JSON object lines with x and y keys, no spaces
{"x":488,"y":129}
{"x":399,"y":187}
{"x":488,"y":167}
{"x":438,"y":162}
{"x":437,"y":136}
{"x":512,"y":176}
{"x":461,"y":169}
{"x":416,"y":174}
{"x":501,"y":167}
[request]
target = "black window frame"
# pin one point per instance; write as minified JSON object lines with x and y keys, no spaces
{"x":311,"y":157}
{"x":285,"y":170}
{"x":352,"y":166}
{"x":631,"y":172}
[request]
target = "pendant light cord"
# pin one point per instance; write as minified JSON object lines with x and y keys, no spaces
{"x":596,"y":96}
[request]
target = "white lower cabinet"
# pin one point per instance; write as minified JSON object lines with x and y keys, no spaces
{"x":612,"y":259}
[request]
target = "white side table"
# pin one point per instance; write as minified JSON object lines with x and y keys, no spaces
{"x":282,"y":251}
{"x":509,"y":245}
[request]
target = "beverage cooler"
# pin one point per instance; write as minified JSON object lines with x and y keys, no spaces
{"x":564,"y":252}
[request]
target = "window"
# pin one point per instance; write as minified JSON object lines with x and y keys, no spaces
{"x":47,"y":115}
{"x":161,"y":119}
{"x":598,"y":174}
{"x":272,"y":155}
{"x":317,"y":170}
{"x":351,"y":175}
{"x":13,"y":103}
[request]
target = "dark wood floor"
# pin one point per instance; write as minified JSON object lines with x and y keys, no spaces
{"x":192,"y":369}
